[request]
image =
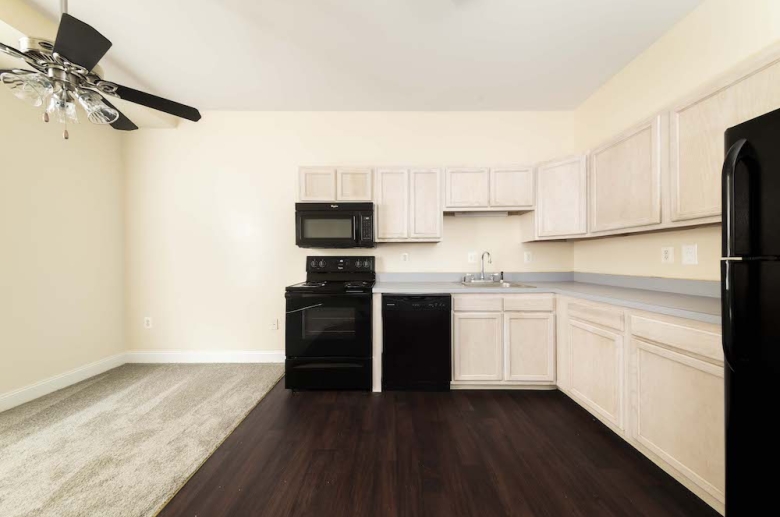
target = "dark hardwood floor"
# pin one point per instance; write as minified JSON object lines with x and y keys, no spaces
{"x":474,"y":453}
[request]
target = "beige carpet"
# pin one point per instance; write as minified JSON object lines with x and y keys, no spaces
{"x":124,"y":442}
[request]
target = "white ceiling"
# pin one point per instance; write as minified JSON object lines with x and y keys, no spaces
{"x":376,"y":54}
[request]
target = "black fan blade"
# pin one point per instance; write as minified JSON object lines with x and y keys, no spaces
{"x":80,"y":43}
{"x":158,"y":103}
{"x":122,"y":123}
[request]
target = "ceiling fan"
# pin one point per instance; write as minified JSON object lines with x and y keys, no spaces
{"x":66,"y":73}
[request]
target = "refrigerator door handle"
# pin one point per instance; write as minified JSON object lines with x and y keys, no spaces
{"x":740,"y":151}
{"x":728,"y":315}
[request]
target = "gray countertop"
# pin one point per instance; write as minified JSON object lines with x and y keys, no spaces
{"x":701,"y":308}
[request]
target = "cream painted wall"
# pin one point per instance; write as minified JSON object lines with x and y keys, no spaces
{"x":61,"y":246}
{"x":210,"y":225}
{"x":714,"y":38}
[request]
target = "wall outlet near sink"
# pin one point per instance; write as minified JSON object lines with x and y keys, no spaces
{"x":472,"y":257}
{"x":667,"y":255}
{"x":528,"y":257}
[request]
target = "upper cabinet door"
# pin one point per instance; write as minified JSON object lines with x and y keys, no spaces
{"x":425,"y":202}
{"x":392,"y":204}
{"x":467,"y":188}
{"x":354,"y":184}
{"x":316,"y":184}
{"x":625,"y":179}
{"x":561,"y":198}
{"x":512,"y":188}
{"x":697,"y":127}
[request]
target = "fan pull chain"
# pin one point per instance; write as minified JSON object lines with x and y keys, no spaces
{"x":65,"y":134}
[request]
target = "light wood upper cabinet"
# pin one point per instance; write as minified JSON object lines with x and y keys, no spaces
{"x":596,"y":370}
{"x":512,"y":188}
{"x":625,"y":179}
{"x":425,"y":203}
{"x":316,"y":184}
{"x":529,"y":346}
{"x":697,"y":127}
{"x":467,"y":188}
{"x":477,"y":346}
{"x":561,"y":198}
{"x":392,"y":204}
{"x":408,"y":205}
{"x":354,"y":184}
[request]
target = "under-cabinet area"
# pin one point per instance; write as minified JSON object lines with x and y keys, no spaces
{"x":654,"y":379}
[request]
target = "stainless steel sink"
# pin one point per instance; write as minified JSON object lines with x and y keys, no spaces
{"x":495,"y":284}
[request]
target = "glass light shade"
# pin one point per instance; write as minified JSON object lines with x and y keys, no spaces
{"x":61,"y":109}
{"x":31,"y":88}
{"x":98,"y":112}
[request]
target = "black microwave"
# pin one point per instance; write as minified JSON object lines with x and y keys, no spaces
{"x":334,"y":225}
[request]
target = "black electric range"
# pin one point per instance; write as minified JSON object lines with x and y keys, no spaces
{"x":328,"y":333}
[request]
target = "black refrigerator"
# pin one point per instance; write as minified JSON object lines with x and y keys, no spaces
{"x":750,"y":289}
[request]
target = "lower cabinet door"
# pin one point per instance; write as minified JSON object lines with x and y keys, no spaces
{"x":679,"y":413}
{"x":596,"y":370}
{"x":529,"y":346}
{"x":477,"y":354}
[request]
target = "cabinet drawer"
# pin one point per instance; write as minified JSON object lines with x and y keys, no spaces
{"x":529,"y":302}
{"x":478,"y":303}
{"x":610,"y":318}
{"x":687,"y":336}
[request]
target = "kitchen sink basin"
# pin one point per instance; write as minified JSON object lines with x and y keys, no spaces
{"x":495,"y":284}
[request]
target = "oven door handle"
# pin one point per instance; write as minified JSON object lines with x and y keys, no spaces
{"x":305,"y":308}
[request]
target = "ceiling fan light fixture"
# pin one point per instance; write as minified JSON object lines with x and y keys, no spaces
{"x":98,"y":112}
{"x":31,"y":88}
{"x":62,"y":109}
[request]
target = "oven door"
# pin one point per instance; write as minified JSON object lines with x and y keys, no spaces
{"x":318,"y":229}
{"x":328,"y":325}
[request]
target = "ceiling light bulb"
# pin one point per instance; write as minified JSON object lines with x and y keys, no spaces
{"x":98,"y":112}
{"x":32,"y":88}
{"x":61,"y":109}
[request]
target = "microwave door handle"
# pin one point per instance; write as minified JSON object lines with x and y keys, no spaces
{"x":305,"y":308}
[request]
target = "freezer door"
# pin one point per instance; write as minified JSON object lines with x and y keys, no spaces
{"x":751,"y":188}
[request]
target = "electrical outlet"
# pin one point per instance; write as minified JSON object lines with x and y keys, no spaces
{"x":404,"y":257}
{"x":667,"y":255}
{"x":274,"y":324}
{"x":690,"y":254}
{"x":472,"y":257}
{"x":528,"y":257}
{"x":148,"y":322}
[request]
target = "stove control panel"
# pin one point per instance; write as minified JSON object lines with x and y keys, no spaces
{"x":340,"y":264}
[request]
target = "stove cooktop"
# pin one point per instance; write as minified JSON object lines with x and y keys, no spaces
{"x":331,"y":287}
{"x":337,"y":275}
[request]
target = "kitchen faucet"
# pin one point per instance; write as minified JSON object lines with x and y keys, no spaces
{"x":490,"y":261}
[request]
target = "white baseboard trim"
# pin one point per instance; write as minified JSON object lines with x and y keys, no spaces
{"x":39,"y":389}
{"x":205,"y":356}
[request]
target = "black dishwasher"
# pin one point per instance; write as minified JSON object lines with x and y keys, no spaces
{"x":416,"y":337}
